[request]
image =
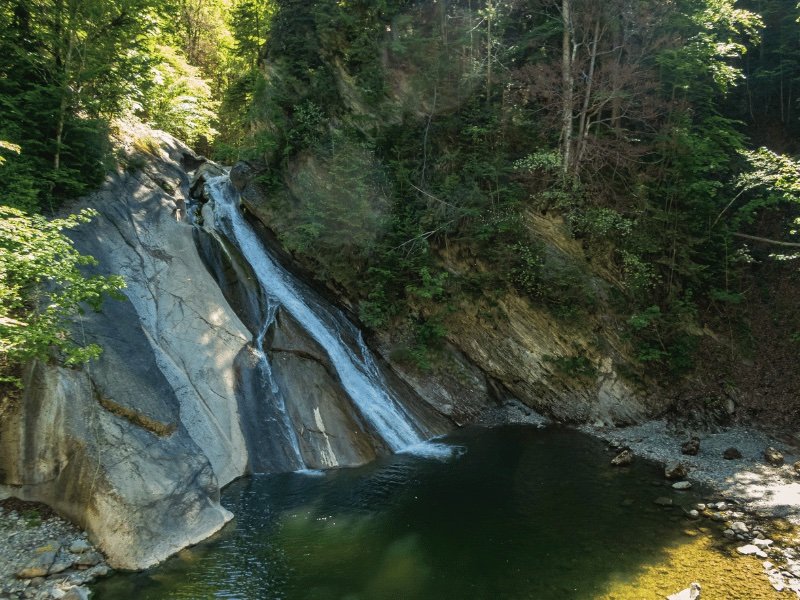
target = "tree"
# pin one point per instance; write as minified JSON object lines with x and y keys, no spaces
{"x":65,"y":66}
{"x":42,"y":288}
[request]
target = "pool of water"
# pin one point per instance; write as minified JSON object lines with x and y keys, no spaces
{"x":510,"y":513}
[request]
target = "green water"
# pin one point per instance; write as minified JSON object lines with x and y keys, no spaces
{"x":517,"y":513}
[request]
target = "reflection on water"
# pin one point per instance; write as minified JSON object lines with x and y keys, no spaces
{"x":513,"y":513}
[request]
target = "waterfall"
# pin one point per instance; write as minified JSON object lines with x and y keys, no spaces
{"x":356,"y":371}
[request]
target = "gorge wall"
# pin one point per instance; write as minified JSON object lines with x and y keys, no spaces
{"x":135,"y":446}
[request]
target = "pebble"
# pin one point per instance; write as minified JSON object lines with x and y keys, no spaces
{"x":45,"y":553}
{"x":719,"y":517}
{"x":739,"y":527}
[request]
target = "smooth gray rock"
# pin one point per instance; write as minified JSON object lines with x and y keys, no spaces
{"x":77,"y":593}
{"x":749,"y":549}
{"x":135,"y":446}
{"x":88,"y":559}
{"x":80,"y":546}
{"x":39,"y":565}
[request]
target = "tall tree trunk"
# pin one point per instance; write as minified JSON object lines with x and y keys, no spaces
{"x":583,"y":121}
{"x":489,"y":52}
{"x":567,"y":86}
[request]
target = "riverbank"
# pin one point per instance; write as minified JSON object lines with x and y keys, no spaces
{"x":742,"y":527}
{"x":44,"y":557}
{"x":756,"y":503}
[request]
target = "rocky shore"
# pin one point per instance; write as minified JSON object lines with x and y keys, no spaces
{"x":750,"y":480}
{"x":44,"y":557}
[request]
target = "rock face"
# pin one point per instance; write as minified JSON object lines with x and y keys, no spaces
{"x":135,"y":446}
{"x":201,"y":380}
{"x":496,"y":349}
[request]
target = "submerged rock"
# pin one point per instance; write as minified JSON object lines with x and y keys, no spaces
{"x":681,"y":485}
{"x":690,"y":593}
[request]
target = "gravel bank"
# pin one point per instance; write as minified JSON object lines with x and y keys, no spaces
{"x":759,"y":488}
{"x":42,"y":556}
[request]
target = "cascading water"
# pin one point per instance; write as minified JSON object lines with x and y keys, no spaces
{"x":357,"y":372}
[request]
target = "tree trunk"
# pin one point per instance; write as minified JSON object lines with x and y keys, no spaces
{"x":567,"y":86}
{"x":583,"y":121}
{"x":489,"y":53}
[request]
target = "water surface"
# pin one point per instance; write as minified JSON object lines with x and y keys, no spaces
{"x":513,"y":513}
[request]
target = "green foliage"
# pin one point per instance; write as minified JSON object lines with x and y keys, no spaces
{"x":42,"y":288}
{"x":406,"y":141}
{"x":178,"y":100}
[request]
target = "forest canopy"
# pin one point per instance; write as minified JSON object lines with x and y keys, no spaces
{"x":659,"y":135}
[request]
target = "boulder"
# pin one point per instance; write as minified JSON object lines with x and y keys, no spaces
{"x":692,"y":447}
{"x":623,"y":459}
{"x":205,"y":172}
{"x":242,"y":174}
{"x":676,"y":471}
{"x":773,"y":457}
{"x":39,"y":565}
{"x":731,"y":454}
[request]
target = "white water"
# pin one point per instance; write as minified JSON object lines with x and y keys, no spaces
{"x":358,"y":374}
